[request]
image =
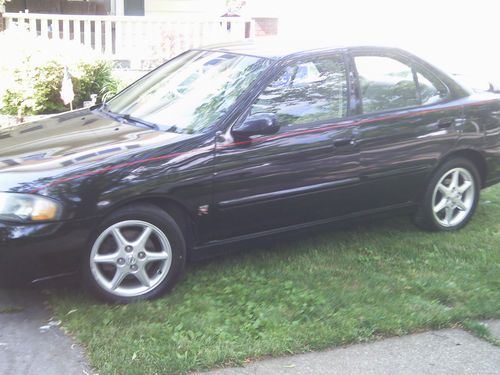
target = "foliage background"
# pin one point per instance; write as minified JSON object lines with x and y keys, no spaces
{"x":31,"y":78}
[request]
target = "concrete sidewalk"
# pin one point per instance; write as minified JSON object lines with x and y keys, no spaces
{"x":450,"y":351}
{"x":31,"y":341}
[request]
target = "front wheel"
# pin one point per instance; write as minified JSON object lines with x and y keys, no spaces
{"x":137,"y":253}
{"x":451,"y":196}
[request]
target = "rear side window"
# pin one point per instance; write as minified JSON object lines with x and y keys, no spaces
{"x":305,"y":92}
{"x":429,"y":93}
{"x":386,"y":84}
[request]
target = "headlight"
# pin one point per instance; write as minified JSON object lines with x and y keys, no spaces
{"x":28,"y":208}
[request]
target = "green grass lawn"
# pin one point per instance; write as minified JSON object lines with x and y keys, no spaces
{"x":344,"y":286}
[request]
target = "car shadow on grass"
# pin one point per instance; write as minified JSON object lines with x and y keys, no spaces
{"x":294,"y":243}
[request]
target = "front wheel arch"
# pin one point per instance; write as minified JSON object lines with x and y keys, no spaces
{"x":171,"y":206}
{"x":147,"y":214}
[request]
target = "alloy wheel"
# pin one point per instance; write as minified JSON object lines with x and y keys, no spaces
{"x":130,"y":258}
{"x":453,"y":197}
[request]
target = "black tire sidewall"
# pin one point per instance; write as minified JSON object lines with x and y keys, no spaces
{"x":430,"y":220}
{"x":161,"y":220}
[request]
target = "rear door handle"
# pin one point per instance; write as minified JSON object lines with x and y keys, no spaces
{"x":445,"y":123}
{"x":344,"y":142}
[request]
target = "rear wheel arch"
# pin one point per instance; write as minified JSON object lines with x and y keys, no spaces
{"x":452,"y":198}
{"x":474,"y":157}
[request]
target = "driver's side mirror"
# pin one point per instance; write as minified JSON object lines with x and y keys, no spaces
{"x":258,"y":124}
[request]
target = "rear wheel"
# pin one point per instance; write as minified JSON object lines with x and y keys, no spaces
{"x":137,"y":253}
{"x":451,"y":197}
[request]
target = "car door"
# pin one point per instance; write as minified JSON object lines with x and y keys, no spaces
{"x":305,"y":172}
{"x":408,"y":121}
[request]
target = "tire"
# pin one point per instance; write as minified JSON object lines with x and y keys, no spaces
{"x":447,"y":204}
{"x":137,"y":253}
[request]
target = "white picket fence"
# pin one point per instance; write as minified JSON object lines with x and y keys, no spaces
{"x":133,"y":38}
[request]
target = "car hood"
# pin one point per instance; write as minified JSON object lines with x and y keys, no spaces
{"x":34,"y":152}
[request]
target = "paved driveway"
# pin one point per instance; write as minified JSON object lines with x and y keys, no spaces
{"x":31,"y":341}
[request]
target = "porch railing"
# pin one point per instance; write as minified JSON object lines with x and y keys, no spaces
{"x":132,"y":38}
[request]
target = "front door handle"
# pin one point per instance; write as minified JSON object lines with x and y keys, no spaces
{"x":445,"y":123}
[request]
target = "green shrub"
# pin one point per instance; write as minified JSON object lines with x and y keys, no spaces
{"x":96,"y":78}
{"x":36,"y":86}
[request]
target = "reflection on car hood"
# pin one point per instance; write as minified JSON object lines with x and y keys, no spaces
{"x":68,"y":141}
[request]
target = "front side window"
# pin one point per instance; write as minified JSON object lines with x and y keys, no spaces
{"x":386,"y":84}
{"x":189,"y":93}
{"x":305,"y":92}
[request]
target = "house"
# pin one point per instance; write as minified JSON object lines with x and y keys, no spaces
{"x":118,"y":7}
{"x":141,"y":30}
{"x":263,"y":14}
{"x":256,"y":9}
{"x":97,"y":7}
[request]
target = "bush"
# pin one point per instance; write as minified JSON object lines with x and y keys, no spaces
{"x":31,"y":79}
{"x":36,"y":88}
{"x":96,"y":78}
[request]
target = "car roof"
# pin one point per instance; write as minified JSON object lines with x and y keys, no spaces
{"x":275,"y":48}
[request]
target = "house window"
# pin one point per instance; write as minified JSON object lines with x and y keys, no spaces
{"x":134,"y":7}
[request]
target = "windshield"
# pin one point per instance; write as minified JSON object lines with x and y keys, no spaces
{"x":189,"y":93}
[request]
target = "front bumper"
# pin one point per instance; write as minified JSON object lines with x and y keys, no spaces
{"x":32,"y":251}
